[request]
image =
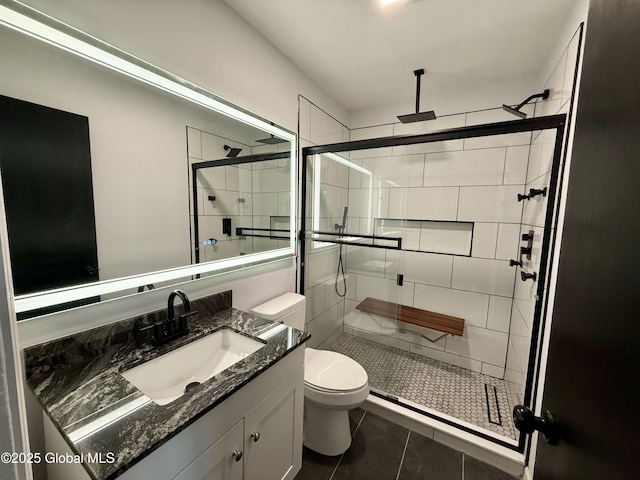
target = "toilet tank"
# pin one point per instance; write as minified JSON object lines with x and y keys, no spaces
{"x":288,"y":308}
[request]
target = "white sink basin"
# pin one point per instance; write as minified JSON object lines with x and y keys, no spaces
{"x":165,"y":378}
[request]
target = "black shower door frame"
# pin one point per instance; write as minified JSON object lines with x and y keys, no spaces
{"x":551,"y":122}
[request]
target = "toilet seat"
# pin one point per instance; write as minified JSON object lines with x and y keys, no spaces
{"x":332,"y":372}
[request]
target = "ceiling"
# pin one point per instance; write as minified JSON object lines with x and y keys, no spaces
{"x":364,"y":55}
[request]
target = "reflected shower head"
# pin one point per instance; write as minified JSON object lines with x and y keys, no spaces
{"x":418,"y":116}
{"x":271,"y":140}
{"x":233,"y":151}
{"x":516,"y":110}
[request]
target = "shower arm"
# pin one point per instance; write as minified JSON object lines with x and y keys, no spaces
{"x":544,"y":95}
{"x":418,"y":74}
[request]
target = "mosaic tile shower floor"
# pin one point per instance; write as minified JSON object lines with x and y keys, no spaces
{"x":452,"y":390}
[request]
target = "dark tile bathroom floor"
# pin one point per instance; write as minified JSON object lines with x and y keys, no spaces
{"x":382,"y":450}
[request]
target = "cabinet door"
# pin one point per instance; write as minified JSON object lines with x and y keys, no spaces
{"x":273,"y":433}
{"x":221,"y":461}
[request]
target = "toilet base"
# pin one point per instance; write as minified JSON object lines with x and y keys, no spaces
{"x":326,"y":431}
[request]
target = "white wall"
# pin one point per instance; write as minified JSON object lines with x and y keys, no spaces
{"x":560,"y":83}
{"x":204,"y":41}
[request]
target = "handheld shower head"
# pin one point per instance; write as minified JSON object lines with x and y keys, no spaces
{"x":341,"y":226}
{"x":516,"y":110}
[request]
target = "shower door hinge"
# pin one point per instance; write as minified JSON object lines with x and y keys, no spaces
{"x":399,"y":279}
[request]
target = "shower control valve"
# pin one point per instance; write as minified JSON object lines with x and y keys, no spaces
{"x":526,"y":276}
{"x":533,"y":192}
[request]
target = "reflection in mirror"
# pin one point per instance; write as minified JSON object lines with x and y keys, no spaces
{"x":240,"y":205}
{"x":137,"y":117}
{"x":332,"y":175}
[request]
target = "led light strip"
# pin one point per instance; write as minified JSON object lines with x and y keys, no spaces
{"x":50,"y":35}
{"x":33,"y":301}
{"x":108,"y":419}
{"x":317,"y":170}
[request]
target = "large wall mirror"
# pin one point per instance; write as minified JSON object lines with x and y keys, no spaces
{"x":183,"y":183}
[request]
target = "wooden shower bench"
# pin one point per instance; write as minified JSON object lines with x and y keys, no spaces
{"x":415,"y":316}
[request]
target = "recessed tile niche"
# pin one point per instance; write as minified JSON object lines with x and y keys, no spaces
{"x":451,"y":238}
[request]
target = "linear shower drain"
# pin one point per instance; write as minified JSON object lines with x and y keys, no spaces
{"x":493,"y":406}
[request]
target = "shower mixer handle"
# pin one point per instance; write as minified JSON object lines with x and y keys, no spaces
{"x":526,"y":276}
{"x":533,"y":192}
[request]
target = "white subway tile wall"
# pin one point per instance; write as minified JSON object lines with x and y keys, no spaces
{"x":459,"y":199}
{"x":325,"y":309}
{"x":560,"y":84}
{"x":250,"y":195}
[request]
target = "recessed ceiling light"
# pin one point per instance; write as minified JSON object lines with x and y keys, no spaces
{"x":386,"y":3}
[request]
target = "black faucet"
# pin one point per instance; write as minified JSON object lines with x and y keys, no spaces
{"x":172,"y":327}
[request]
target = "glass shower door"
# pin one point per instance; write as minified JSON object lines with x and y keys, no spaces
{"x":374,"y":236}
{"x":349,"y":267}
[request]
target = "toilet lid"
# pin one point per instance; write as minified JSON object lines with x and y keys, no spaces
{"x":333,"y":371}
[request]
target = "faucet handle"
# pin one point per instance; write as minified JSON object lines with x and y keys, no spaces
{"x":184,"y":319}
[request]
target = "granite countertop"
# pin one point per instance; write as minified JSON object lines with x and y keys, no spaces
{"x":77,"y":381}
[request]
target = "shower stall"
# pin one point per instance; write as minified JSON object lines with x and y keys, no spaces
{"x":426,"y":259}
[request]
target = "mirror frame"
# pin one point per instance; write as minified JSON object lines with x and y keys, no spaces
{"x":35,"y":24}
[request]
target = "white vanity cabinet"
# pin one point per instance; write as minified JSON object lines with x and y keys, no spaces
{"x":264,"y":445}
{"x":255,"y":434}
{"x":272,"y":443}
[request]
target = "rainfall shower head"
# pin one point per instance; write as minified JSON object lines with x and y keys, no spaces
{"x":516,"y":110}
{"x":418,"y":116}
{"x":233,"y":151}
{"x":272,"y":140}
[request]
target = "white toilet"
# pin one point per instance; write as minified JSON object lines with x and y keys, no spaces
{"x":333,"y":383}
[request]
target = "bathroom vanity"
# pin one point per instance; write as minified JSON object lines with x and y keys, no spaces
{"x":243,"y":422}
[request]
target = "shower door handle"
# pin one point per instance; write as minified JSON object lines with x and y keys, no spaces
{"x":526,"y":422}
{"x":91,"y":270}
